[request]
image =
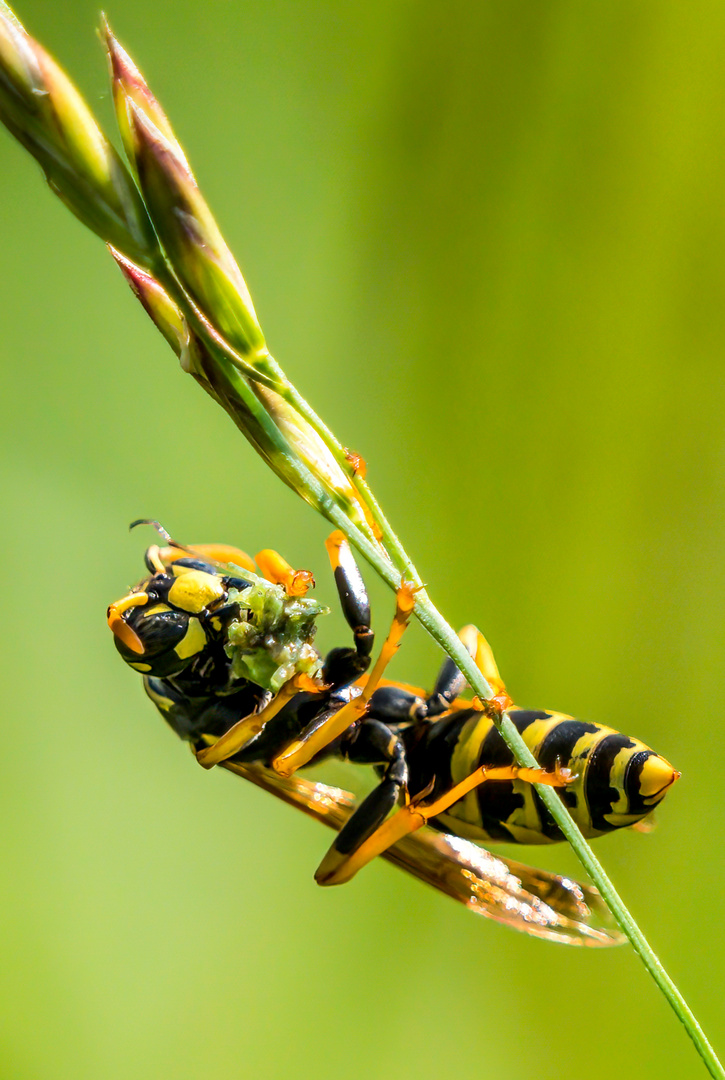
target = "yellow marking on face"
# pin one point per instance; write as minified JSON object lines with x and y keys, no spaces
{"x":141,"y":667}
{"x":157,"y":609}
{"x":193,"y":641}
{"x":195,"y":591}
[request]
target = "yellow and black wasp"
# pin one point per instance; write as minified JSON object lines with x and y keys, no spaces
{"x":225,"y":649}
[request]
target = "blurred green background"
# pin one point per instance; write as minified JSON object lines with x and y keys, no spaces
{"x":486,"y":241}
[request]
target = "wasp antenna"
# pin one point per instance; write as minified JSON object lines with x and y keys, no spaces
{"x":153,"y":560}
{"x":155,"y":525}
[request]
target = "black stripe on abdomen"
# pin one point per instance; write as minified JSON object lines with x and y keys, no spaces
{"x":523,"y":717}
{"x":494,"y":750}
{"x":597,"y":787}
{"x":557,"y":746}
{"x":497,"y":799}
{"x":561,"y":740}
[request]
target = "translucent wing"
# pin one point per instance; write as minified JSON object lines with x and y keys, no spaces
{"x":534,"y":901}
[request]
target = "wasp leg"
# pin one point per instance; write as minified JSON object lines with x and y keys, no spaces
{"x":158,"y":559}
{"x":317,"y":736}
{"x":372,"y":743}
{"x":449,"y":685}
{"x":220,"y":553}
{"x":484,"y":660}
{"x":451,"y":681}
{"x":397,"y":705}
{"x":246,"y":729}
{"x":337,"y":868}
{"x":344,"y":665}
{"x":279,"y":572}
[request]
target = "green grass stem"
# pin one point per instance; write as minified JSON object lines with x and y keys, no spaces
{"x":200,"y":292}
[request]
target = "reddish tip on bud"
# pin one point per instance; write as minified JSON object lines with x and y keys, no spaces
{"x":162,"y":310}
{"x":193,"y":244}
{"x":129,"y":85}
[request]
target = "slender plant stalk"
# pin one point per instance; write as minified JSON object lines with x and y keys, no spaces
{"x":164,"y":237}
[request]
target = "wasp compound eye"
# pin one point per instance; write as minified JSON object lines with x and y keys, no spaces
{"x":169,"y":640}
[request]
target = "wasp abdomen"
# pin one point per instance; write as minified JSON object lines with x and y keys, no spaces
{"x":618,"y":780}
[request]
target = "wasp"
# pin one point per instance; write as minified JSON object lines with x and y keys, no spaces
{"x":225,"y":647}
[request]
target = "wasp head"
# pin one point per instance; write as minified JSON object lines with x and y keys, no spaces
{"x":163,"y":624}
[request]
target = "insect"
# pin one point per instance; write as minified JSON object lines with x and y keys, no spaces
{"x":226,"y":652}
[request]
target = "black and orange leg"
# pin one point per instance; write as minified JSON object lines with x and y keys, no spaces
{"x":249,"y":727}
{"x":317,"y":736}
{"x":484,"y":660}
{"x":451,"y":681}
{"x":449,"y":685}
{"x":344,"y":665}
{"x":373,"y":743}
{"x":338,"y":867}
{"x":397,"y":704}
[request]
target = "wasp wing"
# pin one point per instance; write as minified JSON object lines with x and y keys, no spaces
{"x":536,"y":902}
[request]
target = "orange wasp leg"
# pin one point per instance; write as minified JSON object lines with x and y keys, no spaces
{"x":337,"y":868}
{"x":484,"y":660}
{"x":318,"y":736}
{"x":239,"y":734}
{"x":221,"y":553}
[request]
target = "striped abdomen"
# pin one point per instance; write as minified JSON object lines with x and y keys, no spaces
{"x":618,"y":779}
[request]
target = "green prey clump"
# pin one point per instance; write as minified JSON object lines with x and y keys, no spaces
{"x":272,"y":641}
